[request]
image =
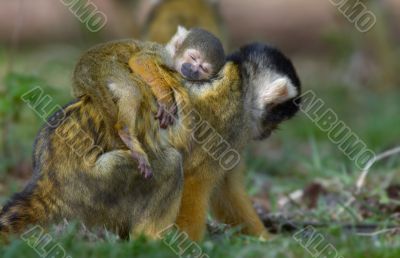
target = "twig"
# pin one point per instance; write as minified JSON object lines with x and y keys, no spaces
{"x":283,"y":225}
{"x":361,"y":180}
{"x":380,"y":232}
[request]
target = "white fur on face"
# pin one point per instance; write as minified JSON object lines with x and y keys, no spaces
{"x":273,"y":89}
{"x":268,"y":89}
{"x":176,"y":40}
{"x":278,"y":92}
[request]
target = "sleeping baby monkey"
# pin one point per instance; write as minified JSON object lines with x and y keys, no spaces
{"x":197,"y":55}
{"x":107,"y":74}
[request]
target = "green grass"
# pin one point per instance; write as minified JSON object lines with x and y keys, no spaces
{"x":222,"y":246}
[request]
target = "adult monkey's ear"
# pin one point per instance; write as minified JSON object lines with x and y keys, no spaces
{"x":177,"y":40}
{"x":278,"y":91}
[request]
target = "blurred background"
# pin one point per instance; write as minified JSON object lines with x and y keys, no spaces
{"x":298,"y":171}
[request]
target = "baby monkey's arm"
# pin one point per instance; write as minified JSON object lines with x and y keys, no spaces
{"x":161,"y":81}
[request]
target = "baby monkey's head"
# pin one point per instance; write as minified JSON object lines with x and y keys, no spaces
{"x":197,"y":54}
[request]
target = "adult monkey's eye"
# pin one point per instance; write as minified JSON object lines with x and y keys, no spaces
{"x":193,"y":58}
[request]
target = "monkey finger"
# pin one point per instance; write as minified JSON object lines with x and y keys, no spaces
{"x":164,"y":121}
{"x":170,"y":119}
{"x":145,"y":169}
{"x":174,"y":109}
{"x":148,"y":172}
{"x":160,"y":111}
{"x":161,"y":121}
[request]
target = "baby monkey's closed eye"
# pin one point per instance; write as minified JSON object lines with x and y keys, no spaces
{"x":198,"y":55}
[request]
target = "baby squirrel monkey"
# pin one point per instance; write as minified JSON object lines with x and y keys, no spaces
{"x":195,"y":54}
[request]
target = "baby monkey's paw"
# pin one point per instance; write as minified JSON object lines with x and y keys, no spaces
{"x":145,"y":168}
{"x":143,"y":164}
{"x":166,"y":114}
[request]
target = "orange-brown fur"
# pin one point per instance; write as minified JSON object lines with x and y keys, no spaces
{"x":161,"y":82}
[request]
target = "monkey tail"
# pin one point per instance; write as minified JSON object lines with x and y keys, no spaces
{"x":22,"y":210}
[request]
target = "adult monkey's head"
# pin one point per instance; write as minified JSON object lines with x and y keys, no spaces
{"x":272,"y":86}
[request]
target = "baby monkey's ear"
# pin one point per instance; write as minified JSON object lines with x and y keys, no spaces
{"x":278,"y":92}
{"x":175,"y":43}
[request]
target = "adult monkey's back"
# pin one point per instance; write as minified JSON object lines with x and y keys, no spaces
{"x":110,"y":193}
